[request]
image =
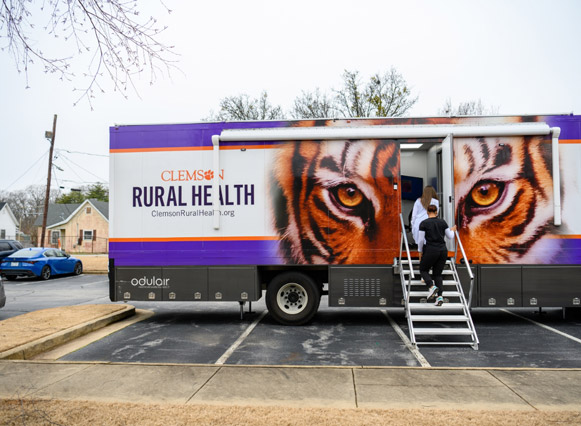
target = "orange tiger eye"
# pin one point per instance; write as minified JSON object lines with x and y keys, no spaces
{"x":349,"y":196}
{"x":485,"y":194}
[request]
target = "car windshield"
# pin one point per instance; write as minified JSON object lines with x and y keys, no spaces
{"x":30,"y":252}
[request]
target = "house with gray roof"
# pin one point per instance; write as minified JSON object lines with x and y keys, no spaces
{"x":77,"y":228}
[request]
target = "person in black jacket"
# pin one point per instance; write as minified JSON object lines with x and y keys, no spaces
{"x":433,"y":253}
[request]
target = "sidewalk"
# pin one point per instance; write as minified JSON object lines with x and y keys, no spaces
{"x":330,"y":387}
{"x":523,"y":390}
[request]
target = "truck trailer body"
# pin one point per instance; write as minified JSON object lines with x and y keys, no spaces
{"x":223,"y":211}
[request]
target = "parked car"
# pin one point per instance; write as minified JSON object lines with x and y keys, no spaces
{"x":39,"y":262}
{"x":2,"y":294}
{"x":7,"y":247}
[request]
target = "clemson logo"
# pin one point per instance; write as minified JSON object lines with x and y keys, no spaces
{"x":189,"y":175}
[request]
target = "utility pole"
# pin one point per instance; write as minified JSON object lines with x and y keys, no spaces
{"x":50,"y":136}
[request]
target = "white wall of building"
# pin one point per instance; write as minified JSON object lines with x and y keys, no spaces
{"x":8,"y":226}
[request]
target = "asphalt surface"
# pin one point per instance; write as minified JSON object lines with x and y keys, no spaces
{"x":213,"y":333}
{"x":26,"y":295}
{"x":297,"y":374}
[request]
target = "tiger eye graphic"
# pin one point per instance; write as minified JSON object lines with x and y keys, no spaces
{"x":349,"y":196}
{"x":485,"y":194}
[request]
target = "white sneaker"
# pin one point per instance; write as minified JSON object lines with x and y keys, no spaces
{"x":432,"y":292}
{"x":439,"y":301}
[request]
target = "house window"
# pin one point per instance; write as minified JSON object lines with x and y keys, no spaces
{"x":88,"y":211}
{"x":55,"y":236}
{"x":87,"y":235}
{"x":2,"y":234}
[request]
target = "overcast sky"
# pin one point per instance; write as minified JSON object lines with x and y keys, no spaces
{"x":521,"y":57}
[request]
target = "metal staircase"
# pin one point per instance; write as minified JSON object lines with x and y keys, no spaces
{"x":449,"y":324}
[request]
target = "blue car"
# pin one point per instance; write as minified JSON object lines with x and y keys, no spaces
{"x":39,"y":262}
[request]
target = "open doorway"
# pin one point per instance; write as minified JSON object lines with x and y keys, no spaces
{"x":426,"y":162}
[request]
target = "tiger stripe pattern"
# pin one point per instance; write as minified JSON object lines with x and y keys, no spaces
{"x":504,"y":198}
{"x":335,"y":201}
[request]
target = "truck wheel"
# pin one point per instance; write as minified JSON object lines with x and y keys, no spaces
{"x":45,"y":273}
{"x":292,"y":298}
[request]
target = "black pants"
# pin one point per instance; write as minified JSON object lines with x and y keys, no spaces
{"x":434,"y":260}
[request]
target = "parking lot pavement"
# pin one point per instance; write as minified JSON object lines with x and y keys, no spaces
{"x":509,"y":339}
{"x":27,"y":295}
{"x":213,"y":334}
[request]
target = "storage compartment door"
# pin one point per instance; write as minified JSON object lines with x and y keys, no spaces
{"x":500,"y":286}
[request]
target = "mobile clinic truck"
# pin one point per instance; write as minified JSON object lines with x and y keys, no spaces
{"x":225,"y":211}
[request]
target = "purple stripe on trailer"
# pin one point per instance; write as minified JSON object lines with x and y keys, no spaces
{"x":176,"y":135}
{"x":570,"y":125}
{"x":194,"y":253}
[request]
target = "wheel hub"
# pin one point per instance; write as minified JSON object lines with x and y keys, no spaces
{"x":292,"y":298}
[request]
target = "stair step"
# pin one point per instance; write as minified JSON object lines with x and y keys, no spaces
{"x":439,"y":318}
{"x":424,"y":317}
{"x":417,"y":271}
{"x":445,"y":282}
{"x":442,"y":331}
{"x":417,"y":262}
{"x":431,"y":307}
{"x":425,"y":294}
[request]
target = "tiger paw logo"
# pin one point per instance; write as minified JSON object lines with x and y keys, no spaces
{"x":209,"y":175}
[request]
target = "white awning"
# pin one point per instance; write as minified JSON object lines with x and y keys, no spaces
{"x":383,"y":132}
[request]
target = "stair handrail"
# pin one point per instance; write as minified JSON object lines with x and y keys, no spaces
{"x":407,"y":247}
{"x":466,"y":304}
{"x":406,"y":285}
{"x":468,"y":268}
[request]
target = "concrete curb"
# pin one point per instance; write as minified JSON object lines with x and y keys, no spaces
{"x":31,"y":349}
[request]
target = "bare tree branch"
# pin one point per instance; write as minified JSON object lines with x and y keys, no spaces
{"x":27,"y":205}
{"x":350,"y":100}
{"x":120,"y":43}
{"x":473,"y":107}
{"x":385,"y":95}
{"x":389,"y":94}
{"x":313,"y":105}
{"x":242,"y":107}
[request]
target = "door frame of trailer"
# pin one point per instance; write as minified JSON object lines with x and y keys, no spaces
{"x":438,"y":170}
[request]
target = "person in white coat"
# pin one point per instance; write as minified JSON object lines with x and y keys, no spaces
{"x":420,"y":210}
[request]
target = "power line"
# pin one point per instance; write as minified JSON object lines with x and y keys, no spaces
{"x":85,"y":182}
{"x":82,"y":168}
{"x":27,"y":170}
{"x":84,"y":153}
{"x":66,"y":160}
{"x":54,"y":166}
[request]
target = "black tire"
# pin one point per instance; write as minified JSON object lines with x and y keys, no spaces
{"x":11,"y":277}
{"x":78,"y":268}
{"x":45,"y":273}
{"x":293,"y":298}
